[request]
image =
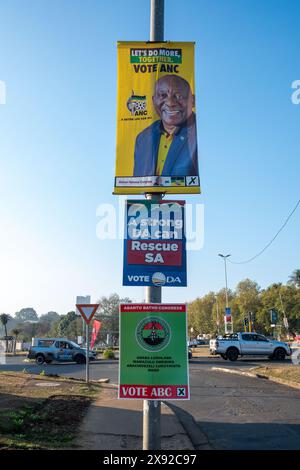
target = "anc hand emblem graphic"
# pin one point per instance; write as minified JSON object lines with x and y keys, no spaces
{"x":153,"y":334}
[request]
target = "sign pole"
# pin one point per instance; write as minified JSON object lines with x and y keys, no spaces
{"x":87,"y":354}
{"x":151,"y":408}
{"x":87,"y":311}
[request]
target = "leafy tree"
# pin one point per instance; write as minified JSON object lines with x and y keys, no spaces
{"x":16,"y":332}
{"x":26,"y":314}
{"x":108,"y":314}
{"x":4,"y":318}
{"x":248,"y":299}
{"x":28,"y":331}
{"x":295,"y":278}
{"x":200,"y":314}
{"x":67,"y":327}
{"x":50,"y":317}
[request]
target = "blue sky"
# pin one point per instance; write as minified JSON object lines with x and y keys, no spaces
{"x":57,"y":143}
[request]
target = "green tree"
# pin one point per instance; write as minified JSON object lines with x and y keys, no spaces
{"x":108,"y":314}
{"x":295,"y":278}
{"x":49,"y":317}
{"x":16,"y":332}
{"x":248,"y":300}
{"x":200,"y":315}
{"x":4,"y":318}
{"x":67,"y":327}
{"x":26,"y":314}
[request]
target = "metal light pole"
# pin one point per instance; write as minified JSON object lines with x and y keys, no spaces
{"x":151,"y":408}
{"x":226,"y":291}
{"x":218,"y":318}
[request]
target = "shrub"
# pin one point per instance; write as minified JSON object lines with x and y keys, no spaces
{"x":108,"y":354}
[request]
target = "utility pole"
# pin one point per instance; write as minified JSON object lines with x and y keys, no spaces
{"x":226,"y":284}
{"x":151,"y":408}
{"x":218,"y":318}
{"x":228,"y":313}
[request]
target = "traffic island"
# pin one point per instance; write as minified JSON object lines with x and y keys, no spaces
{"x":42,"y":412}
{"x":285,"y":374}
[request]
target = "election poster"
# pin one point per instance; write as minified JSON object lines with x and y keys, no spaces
{"x":154,"y":244}
{"x":153,"y":361}
{"x":156,"y":119}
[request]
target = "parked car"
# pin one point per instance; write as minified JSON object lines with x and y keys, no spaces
{"x":248,"y":344}
{"x":201,"y":342}
{"x":58,"y":349}
{"x":190,"y":354}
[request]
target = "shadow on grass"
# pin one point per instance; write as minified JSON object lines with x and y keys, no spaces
{"x":39,"y":423}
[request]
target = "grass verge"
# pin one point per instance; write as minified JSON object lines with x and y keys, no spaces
{"x":288,"y":373}
{"x":42,"y":412}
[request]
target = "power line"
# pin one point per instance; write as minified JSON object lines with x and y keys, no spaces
{"x":267,"y":246}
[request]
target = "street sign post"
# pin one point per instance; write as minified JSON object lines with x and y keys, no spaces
{"x":153,"y":352}
{"x":82,"y":300}
{"x":87,"y":311}
{"x":228,"y":321}
{"x":274,"y":316}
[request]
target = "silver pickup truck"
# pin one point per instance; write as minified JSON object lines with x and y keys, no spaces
{"x":58,"y":349}
{"x":248,"y":344}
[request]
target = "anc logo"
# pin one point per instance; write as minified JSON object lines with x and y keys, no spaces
{"x":137,"y":105}
{"x":153,"y":334}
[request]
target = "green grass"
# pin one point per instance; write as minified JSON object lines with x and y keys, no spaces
{"x":34,"y":417}
{"x":288,"y":373}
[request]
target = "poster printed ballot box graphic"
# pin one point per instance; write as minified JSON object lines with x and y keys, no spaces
{"x":154,"y":245}
{"x":153,"y":352}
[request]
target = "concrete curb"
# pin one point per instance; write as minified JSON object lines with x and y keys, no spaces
{"x":258,"y":376}
{"x":194,"y":433}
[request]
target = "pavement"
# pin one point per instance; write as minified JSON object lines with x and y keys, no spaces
{"x":112,"y":424}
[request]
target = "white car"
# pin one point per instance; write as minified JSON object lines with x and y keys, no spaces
{"x":248,"y":344}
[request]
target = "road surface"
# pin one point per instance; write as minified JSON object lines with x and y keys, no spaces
{"x":234,"y":412}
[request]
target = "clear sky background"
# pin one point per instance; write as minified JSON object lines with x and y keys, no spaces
{"x":57,"y":143}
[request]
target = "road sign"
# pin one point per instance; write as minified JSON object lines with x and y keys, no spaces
{"x":274,"y":315}
{"x":82,"y":299}
{"x":153,"y":352}
{"x":87,"y":311}
{"x":154,"y":244}
{"x":228,"y":311}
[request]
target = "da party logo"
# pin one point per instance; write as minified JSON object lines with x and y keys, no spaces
{"x":159,"y":279}
{"x":137,"y":105}
{"x":153,"y":334}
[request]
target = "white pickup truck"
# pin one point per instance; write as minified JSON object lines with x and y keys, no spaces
{"x":248,"y":344}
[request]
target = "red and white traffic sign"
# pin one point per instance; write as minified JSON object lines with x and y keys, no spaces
{"x":87,"y":311}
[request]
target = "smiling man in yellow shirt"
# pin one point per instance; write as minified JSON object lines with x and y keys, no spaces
{"x":169,"y":146}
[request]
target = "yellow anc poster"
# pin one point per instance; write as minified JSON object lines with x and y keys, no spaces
{"x":156,"y":119}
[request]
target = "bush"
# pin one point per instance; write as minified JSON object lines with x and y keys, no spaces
{"x":108,"y":354}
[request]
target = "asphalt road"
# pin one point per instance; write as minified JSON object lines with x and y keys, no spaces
{"x":243,"y":413}
{"x":234,"y":412}
{"x":102,"y":369}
